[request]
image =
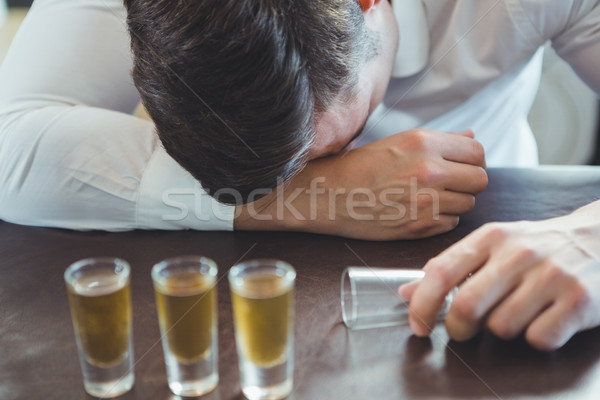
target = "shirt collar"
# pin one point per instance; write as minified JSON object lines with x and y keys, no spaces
{"x":413,"y":46}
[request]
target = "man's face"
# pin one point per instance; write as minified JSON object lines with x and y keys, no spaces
{"x":337,"y":128}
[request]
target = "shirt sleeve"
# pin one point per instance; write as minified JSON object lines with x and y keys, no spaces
{"x":71,"y":153}
{"x":573,"y":27}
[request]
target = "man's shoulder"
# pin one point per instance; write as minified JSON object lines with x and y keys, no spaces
{"x":551,"y":17}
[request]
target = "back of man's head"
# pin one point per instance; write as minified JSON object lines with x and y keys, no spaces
{"x":234,"y":86}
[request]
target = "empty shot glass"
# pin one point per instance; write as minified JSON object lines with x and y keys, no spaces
{"x":100,"y":302}
{"x":186,"y":302}
{"x":263,"y":311}
{"x":370,"y":298}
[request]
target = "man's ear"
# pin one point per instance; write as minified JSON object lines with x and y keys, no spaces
{"x":366,"y":5}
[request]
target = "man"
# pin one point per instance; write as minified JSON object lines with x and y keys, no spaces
{"x":70,"y":160}
{"x":264,"y":86}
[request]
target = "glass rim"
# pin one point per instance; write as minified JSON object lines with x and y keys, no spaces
{"x":349,"y":311}
{"x":121,"y":267}
{"x":181,"y":261}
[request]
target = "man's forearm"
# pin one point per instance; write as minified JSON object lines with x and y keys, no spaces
{"x":395,"y":188}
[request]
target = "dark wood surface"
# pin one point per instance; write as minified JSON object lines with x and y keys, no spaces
{"x":38,"y":357}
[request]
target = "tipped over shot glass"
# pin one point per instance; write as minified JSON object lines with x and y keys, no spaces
{"x":100,"y":301}
{"x":186,"y":301}
{"x":262,"y":294}
{"x":370,"y":298}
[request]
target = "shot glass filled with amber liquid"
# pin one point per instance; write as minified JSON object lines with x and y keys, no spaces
{"x":100,"y":302}
{"x":186,"y":302}
{"x":263,"y":310}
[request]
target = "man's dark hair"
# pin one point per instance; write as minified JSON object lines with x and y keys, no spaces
{"x":234,"y":86}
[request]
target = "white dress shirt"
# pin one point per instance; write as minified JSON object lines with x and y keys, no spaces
{"x":73,"y":156}
{"x":483,"y":68}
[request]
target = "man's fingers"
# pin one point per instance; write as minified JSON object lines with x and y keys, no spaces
{"x":536,"y":291}
{"x":465,"y":178}
{"x":571,"y":311}
{"x":454,"y":203}
{"x":443,"y":273}
{"x":489,"y":287}
{"x":553,"y":328}
{"x":472,"y":302}
{"x":406,"y":291}
{"x":432,"y":204}
{"x":519,"y":309}
{"x":463,"y":149}
{"x":466,"y":133}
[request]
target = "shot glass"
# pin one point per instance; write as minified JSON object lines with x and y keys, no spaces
{"x":370,"y":297}
{"x":262,"y":294}
{"x":186,"y":302}
{"x":100,"y":302}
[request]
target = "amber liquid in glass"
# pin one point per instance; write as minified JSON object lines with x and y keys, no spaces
{"x":186,"y":304}
{"x":261,"y":311}
{"x":102,"y":318}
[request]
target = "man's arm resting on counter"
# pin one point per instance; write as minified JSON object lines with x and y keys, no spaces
{"x":409,"y":185}
{"x":71,"y":156}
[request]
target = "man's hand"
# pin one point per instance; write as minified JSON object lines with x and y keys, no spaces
{"x":409,"y":185}
{"x":541,"y":278}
